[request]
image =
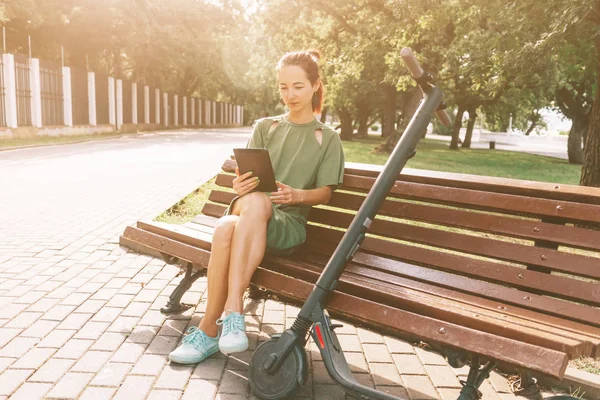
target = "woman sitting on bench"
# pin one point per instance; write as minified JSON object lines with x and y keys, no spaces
{"x":308,"y":162}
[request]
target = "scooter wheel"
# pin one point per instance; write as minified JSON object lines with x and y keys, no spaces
{"x":281,"y":383}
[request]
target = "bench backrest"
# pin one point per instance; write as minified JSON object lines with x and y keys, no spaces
{"x":534,"y":245}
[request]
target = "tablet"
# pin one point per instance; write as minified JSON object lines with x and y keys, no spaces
{"x":259,"y":162}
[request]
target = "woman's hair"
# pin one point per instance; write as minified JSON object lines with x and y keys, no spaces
{"x":307,"y":60}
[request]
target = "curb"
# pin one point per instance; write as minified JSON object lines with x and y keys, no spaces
{"x":574,"y":379}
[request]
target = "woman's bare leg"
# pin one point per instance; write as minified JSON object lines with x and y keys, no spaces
{"x":218,"y":273}
{"x":247,"y":246}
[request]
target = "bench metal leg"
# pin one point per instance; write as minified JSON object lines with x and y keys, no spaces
{"x":174,"y":305}
{"x":529,"y":387}
{"x":477,"y":375}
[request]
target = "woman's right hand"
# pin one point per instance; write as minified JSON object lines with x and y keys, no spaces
{"x":244,"y":183}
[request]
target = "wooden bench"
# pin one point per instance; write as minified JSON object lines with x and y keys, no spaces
{"x":503,"y":269}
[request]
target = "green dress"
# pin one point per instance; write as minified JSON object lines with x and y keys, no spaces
{"x":301,"y":162}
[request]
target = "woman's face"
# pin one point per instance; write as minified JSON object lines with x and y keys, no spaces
{"x":295,"y":88}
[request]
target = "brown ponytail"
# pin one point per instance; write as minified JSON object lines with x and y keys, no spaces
{"x":308,"y":61}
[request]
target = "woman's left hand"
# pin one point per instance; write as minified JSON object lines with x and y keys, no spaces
{"x":285,"y":195}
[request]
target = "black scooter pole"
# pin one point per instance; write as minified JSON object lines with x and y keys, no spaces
{"x":404,"y":149}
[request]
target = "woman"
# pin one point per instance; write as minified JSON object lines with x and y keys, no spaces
{"x":308,"y":161}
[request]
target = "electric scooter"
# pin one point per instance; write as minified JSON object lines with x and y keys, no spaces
{"x":279,"y":365}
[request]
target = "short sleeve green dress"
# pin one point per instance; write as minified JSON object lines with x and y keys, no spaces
{"x":301,"y":162}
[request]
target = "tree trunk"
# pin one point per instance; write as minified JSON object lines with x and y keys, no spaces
{"x":456,"y":127}
{"x":346,"y":124}
{"x":531,"y":128}
{"x":470,"y":125}
{"x":408,"y":110}
{"x":576,"y":139}
{"x":324,"y":115}
{"x":590,"y":173}
{"x":363,"y":121}
{"x":389,"y":110}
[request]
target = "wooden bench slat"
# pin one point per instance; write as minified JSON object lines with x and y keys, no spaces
{"x":493,"y":184}
{"x":492,"y":248}
{"x":476,"y":307}
{"x":579,"y":331}
{"x":498,"y":202}
{"x":450,"y":262}
{"x":357,"y":282}
{"x":567,"y":212}
{"x":490,"y":223}
{"x":554,"y":362}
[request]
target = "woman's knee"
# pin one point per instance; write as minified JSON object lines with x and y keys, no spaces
{"x":256,"y":204}
{"x":224,"y":230}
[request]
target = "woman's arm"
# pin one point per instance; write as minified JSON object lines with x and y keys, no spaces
{"x":289,"y":195}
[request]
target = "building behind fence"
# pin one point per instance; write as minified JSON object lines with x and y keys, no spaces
{"x":45,"y":95}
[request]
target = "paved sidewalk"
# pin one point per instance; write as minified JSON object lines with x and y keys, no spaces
{"x":79,"y":316}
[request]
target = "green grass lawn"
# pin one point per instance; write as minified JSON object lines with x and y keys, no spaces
{"x":435,"y":155}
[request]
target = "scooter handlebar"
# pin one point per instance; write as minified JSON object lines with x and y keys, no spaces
{"x":416,"y":71}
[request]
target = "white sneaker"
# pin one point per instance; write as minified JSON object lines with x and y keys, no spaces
{"x":196,"y":346}
{"x":233,"y":336}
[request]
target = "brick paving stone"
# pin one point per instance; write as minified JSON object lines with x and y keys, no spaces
{"x":143,"y":334}
{"x":70,"y":386}
{"x":34,"y":358}
{"x":40,"y":329}
{"x":367,"y":336}
{"x":449,"y":394}
{"x":78,"y":299}
{"x":210,"y":369}
{"x":174,"y":377}
{"x":18,"y":347}
{"x":329,"y":392}
{"x":385,"y":374}
{"x":92,"y":330}
{"x":419,"y":387}
{"x":8,"y":334}
{"x":57,"y":338}
{"x":153,"y":318}
{"x":111,"y":374}
{"x":377,"y":353}
{"x":173,"y":328}
{"x":74,"y":349}
{"x":11,"y":379}
{"x":408,"y":364}
{"x":429,"y":357}
{"x":442,"y":376}
{"x":200,"y":389}
{"x":162,"y":345}
{"x":91,"y":361}
{"x":398,"y":391}
{"x":97,"y":393}
{"x":123,"y":324}
{"x":499,"y":383}
{"x":6,"y":362}
{"x":58,"y":312}
{"x":43,"y":305}
{"x":150,"y":364}
{"x":31,"y":391}
{"x":398,"y":346}
{"x":109,"y":341}
{"x":52,"y":370}
{"x":350,"y":342}
{"x":74,"y":321}
{"x":90,"y":306}
{"x":320,"y":374}
{"x":234,"y":382}
{"x":356,"y":362}
{"x":164,"y":395}
{"x":120,"y":300}
{"x":135,"y":388}
{"x":129,"y":353}
{"x":147,"y":295}
{"x":11,"y":311}
{"x":107,"y":314}
{"x":23,"y":320}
